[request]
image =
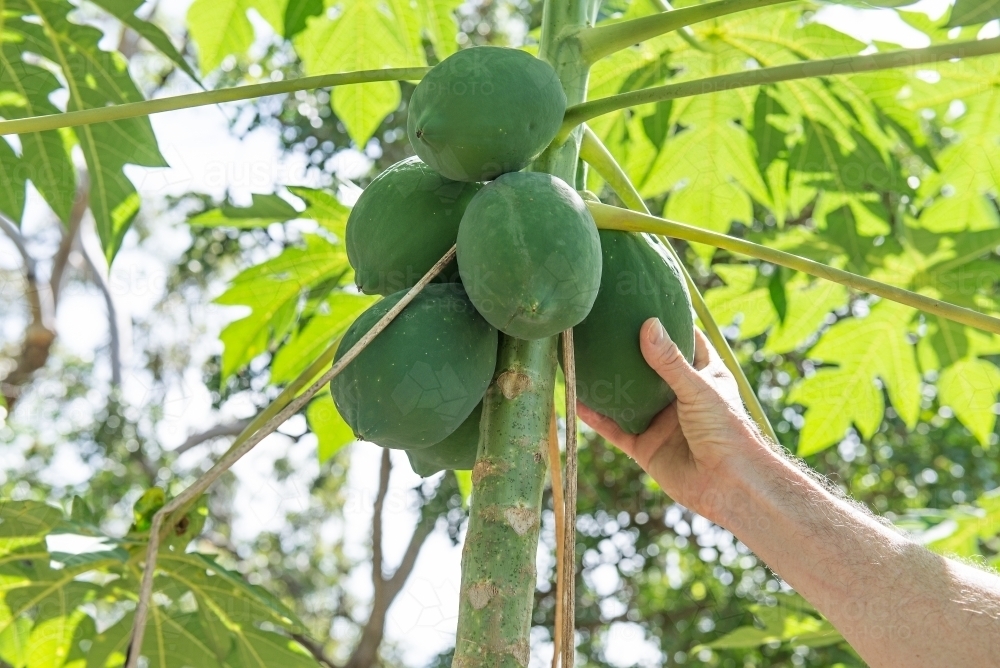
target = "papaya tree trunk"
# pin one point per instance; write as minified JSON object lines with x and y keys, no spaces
{"x":498,"y":560}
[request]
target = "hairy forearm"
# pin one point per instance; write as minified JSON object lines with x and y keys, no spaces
{"x":897,"y":603}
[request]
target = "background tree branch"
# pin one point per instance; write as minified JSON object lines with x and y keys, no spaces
{"x":42,"y":300}
{"x":365,"y":654}
{"x":39,"y":333}
{"x":119,"y":326}
{"x":218,"y":431}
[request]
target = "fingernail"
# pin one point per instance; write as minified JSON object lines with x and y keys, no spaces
{"x":657,"y":335}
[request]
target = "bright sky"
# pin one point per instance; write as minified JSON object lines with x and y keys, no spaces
{"x":204,"y":157}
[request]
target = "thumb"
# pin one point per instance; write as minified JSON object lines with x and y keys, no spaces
{"x":666,"y":359}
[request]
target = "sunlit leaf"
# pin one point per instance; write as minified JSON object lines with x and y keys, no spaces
{"x":272,"y":290}
{"x":326,"y":422}
{"x":219,"y":28}
{"x":970,"y":388}
{"x":441,"y":25}
{"x":866,"y":351}
{"x":364,"y":36}
{"x":330,"y":321}
{"x":263,"y":211}
{"x":323,"y":207}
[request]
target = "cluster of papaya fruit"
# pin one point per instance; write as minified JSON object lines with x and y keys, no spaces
{"x":530,"y":264}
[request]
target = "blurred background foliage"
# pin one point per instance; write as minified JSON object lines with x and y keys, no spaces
{"x":885,"y":174}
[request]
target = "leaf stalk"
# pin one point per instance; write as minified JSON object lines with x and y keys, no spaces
{"x":585,"y":111}
{"x":604,"y":40}
{"x":614,"y":218}
{"x":131,"y":110}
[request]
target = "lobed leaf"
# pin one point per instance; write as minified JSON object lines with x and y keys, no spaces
{"x":866,"y":351}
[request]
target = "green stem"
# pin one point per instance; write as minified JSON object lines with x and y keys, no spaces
{"x":606,"y":39}
{"x":581,"y":113}
{"x":614,"y":218}
{"x":498,"y":560}
{"x":133,"y":109}
{"x":594,"y":152}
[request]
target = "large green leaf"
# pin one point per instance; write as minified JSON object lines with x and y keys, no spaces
{"x":92,"y":78}
{"x":869,"y":353}
{"x":970,"y":388}
{"x":330,"y":320}
{"x":364,"y":36}
{"x":330,"y":428}
{"x":263,"y":211}
{"x":440,"y":25}
{"x":202,"y":613}
{"x":747,"y":302}
{"x":221,"y":28}
{"x":323,"y":207}
{"x":273,"y":290}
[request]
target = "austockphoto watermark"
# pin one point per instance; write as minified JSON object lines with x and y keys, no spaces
{"x":438,"y":392}
{"x":389,"y":281}
{"x":361,"y":500}
{"x":613,"y":397}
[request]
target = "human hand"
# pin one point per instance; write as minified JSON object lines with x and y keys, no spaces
{"x":699,"y":442}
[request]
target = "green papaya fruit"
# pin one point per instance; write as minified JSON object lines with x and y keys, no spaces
{"x":419,"y":379}
{"x":485,"y":111}
{"x":456,"y":452}
{"x":640,"y":280}
{"x":529,"y":255}
{"x":402,"y":224}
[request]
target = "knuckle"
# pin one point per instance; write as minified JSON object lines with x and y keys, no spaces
{"x":671,"y":358}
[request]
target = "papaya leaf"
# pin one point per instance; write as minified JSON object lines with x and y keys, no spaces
{"x":440,"y":25}
{"x":12,"y":184}
{"x":778,"y":293}
{"x":221,"y":28}
{"x":744,"y":302}
{"x":272,"y":290}
{"x":51,"y":640}
{"x":263,"y":211}
{"x":739,"y":300}
{"x":297,"y":14}
{"x":323,"y":207}
{"x":866,"y":350}
{"x":969,"y":12}
{"x":226,"y":593}
{"x":363,"y":36}
{"x":331,"y":320}
{"x":96,"y":78}
{"x":203,"y":614}
{"x":969,"y":387}
{"x":326,"y":422}
{"x":44,"y":159}
{"x":25,"y":523}
{"x":14,"y":640}
{"x":809,"y":304}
